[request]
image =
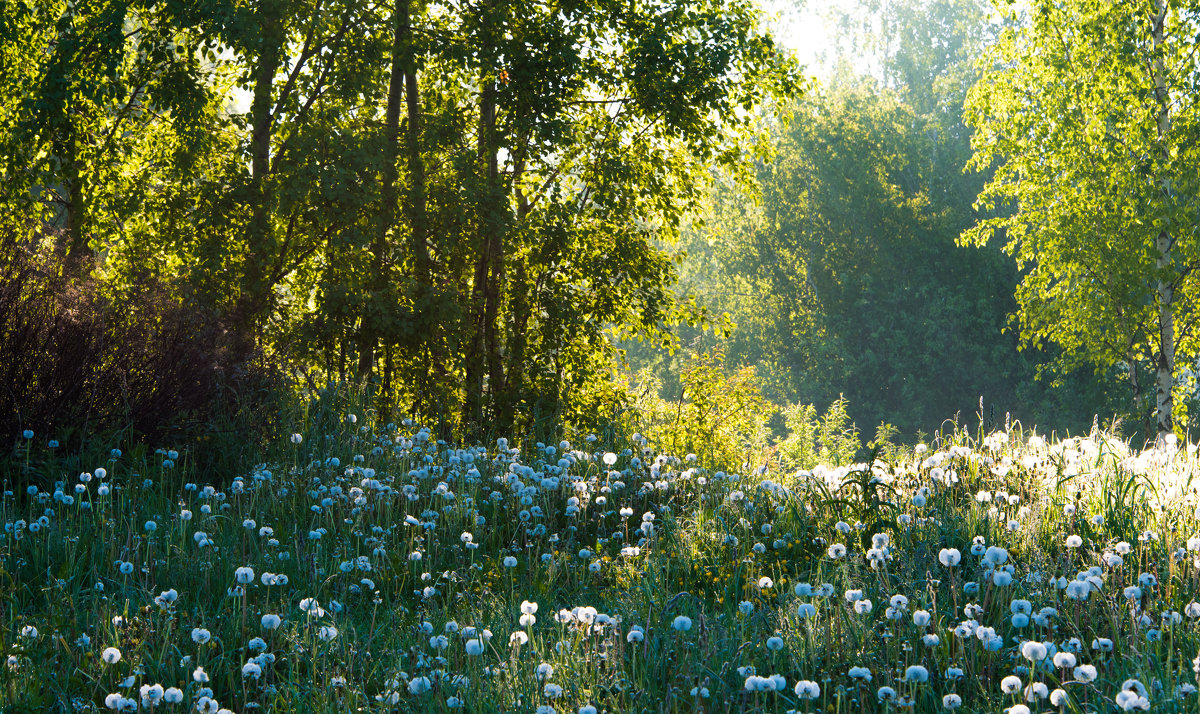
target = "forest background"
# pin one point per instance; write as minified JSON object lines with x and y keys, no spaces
{"x":528,"y":219}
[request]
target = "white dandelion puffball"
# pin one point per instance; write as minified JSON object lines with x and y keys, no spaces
{"x":807,"y":690}
{"x":916,"y":674}
{"x":949,"y":557}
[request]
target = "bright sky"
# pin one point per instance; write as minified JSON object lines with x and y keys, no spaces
{"x":808,"y":29}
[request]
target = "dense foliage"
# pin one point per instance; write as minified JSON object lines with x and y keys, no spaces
{"x":1088,"y":112}
{"x":842,"y":273}
{"x":450,"y":200}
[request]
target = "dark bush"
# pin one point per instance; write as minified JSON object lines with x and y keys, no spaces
{"x":139,"y":363}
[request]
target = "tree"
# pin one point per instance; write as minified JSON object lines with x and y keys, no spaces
{"x":453,"y":201}
{"x":1087,"y":112}
{"x":85,"y":90}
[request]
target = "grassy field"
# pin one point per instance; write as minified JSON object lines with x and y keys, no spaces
{"x":368,"y":567}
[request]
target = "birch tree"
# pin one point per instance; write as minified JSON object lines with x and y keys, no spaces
{"x":1087,"y":111}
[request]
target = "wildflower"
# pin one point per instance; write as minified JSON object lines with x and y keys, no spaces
{"x":1135,"y":686}
{"x":510,"y":561}
{"x":807,"y":690}
{"x":949,"y":557}
{"x":173,"y":695}
{"x":244,"y":575}
{"x":1064,"y":660}
{"x":327,"y":633}
{"x":1085,"y":673}
{"x":836,"y":551}
{"x":885,"y":694}
{"x":1078,"y":589}
{"x":863,"y":607}
{"x":635,"y":634}
{"x":151,"y":694}
{"x":199,"y":675}
{"x":774,"y":644}
{"x":312,"y":607}
{"x":805,"y":609}
{"x":419,"y":685}
{"x":474,"y":646}
{"x":270,"y":622}
{"x":916,"y":674}
{"x":1033,"y":651}
{"x":200,"y":635}
{"x":1036,"y":692}
{"x":682,"y":624}
{"x":860,"y":673}
{"x":951,"y":701}
{"x":251,"y":670}
{"x":111,"y":655}
{"x":1010,"y":684}
{"x":1074,"y":541}
{"x":544,"y":671}
{"x":1131,"y":701}
{"x":745,"y":607}
{"x":518,"y":638}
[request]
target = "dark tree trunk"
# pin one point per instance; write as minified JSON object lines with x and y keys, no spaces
{"x":484,"y":348}
{"x":254,"y":300}
{"x":369,"y":329}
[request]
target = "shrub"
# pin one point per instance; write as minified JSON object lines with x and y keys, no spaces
{"x":78,"y":357}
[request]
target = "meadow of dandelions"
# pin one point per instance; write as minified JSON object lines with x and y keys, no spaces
{"x":371,"y":567}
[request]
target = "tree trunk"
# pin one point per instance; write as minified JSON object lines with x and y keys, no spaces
{"x":75,"y":235}
{"x":1163,"y":243}
{"x":369,"y":330}
{"x":259,"y":239}
{"x":483,"y":352}
{"x":1139,"y":406}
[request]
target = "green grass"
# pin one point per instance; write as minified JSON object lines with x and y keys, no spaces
{"x":729,"y":552}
